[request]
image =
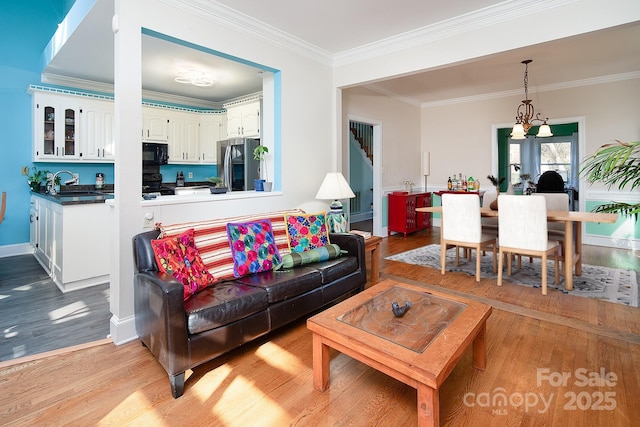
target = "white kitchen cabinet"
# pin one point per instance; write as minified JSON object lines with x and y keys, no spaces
{"x":213,"y":128}
{"x":97,"y":131}
{"x":72,"y":242}
{"x":55,"y":127}
{"x":244,"y":120}
{"x":184,"y":138}
{"x":155,"y":124}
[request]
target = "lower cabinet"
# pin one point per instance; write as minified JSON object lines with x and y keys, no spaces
{"x":71,"y":242}
{"x":403,"y":217}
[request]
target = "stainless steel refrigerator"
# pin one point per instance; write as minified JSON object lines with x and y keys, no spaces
{"x":236,"y":165}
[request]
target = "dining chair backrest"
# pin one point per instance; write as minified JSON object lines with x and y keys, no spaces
{"x":487,"y":198}
{"x":522,"y":222}
{"x":556,"y":202}
{"x":461,"y":217}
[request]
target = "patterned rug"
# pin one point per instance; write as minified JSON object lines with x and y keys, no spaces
{"x":610,"y":284}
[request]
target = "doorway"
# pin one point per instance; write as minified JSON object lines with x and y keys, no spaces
{"x":364,"y":148}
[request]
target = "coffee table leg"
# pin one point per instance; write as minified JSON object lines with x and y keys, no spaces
{"x":321,"y":362}
{"x":428,"y":406}
{"x":480,"y":349}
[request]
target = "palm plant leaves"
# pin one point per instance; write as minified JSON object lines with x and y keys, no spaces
{"x":615,"y":164}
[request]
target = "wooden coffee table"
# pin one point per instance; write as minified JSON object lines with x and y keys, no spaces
{"x":421,"y":348}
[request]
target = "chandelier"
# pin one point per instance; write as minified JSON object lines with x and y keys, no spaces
{"x":195,"y":77}
{"x":525,"y":112}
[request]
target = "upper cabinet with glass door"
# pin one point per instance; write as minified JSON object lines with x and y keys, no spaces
{"x":56,"y":120}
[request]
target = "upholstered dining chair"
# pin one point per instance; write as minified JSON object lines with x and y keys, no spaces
{"x":556,"y":202}
{"x":461,"y":228}
{"x":522,"y":223}
{"x":489,"y":224}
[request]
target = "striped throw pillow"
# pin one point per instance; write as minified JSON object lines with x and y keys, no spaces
{"x":212,"y":241}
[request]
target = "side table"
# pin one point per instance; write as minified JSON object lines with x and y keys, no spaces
{"x":372,"y":244}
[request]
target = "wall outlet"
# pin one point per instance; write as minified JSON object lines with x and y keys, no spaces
{"x":190,"y":175}
{"x":147,"y":221}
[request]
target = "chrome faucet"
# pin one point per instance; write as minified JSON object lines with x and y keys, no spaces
{"x":51,"y":185}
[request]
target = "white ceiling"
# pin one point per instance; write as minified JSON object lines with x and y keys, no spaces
{"x":338,"y":27}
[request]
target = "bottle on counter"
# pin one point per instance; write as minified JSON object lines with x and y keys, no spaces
{"x":99,"y":181}
{"x":449,"y":184}
{"x":470,"y":184}
{"x":464,"y":184}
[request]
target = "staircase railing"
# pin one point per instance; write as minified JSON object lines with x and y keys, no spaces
{"x":363,"y":134}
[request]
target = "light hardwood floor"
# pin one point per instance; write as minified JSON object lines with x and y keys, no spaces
{"x":532,"y":340}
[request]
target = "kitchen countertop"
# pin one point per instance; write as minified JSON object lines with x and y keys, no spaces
{"x":84,"y":194}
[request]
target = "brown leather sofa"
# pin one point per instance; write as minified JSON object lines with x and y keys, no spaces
{"x":184,"y":334}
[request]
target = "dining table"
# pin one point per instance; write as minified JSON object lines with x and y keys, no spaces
{"x":570,"y":218}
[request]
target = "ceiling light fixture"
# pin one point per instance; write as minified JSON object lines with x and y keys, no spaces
{"x":525,"y":111}
{"x":195,"y":77}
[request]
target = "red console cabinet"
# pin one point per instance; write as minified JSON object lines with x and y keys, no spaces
{"x":403,"y":217}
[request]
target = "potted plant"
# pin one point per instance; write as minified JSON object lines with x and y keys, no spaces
{"x":260,"y":154}
{"x":217,"y":185}
{"x":36,"y":179}
{"x":616,"y":163}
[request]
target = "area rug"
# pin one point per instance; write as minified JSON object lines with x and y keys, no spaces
{"x":610,"y":284}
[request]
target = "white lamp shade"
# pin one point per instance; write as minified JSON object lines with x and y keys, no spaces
{"x":334,"y":187}
{"x":544,"y":131}
{"x":426,"y":163}
{"x":518,"y":131}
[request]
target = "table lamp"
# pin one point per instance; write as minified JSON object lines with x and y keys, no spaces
{"x":335,"y":187}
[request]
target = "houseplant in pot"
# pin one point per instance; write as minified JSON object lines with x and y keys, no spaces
{"x":217,"y":185}
{"x":260,"y":154}
{"x":37,"y":179}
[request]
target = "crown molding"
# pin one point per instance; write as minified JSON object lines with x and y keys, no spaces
{"x":225,"y":16}
{"x":107,"y":89}
{"x":556,"y":86}
{"x":477,"y":19}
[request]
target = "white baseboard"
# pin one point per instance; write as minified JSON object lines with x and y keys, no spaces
{"x":17,"y":249}
{"x":123,"y":330}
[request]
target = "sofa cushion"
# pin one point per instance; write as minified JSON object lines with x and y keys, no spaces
{"x":323,"y":253}
{"x":307,"y":231}
{"x":253,"y":247}
{"x":283,"y":285}
{"x":213,"y":244}
{"x":222,"y":304}
{"x":179,"y":257}
{"x":336,"y":268}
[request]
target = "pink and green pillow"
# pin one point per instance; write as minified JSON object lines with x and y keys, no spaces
{"x":307,"y":231}
{"x":178,"y":256}
{"x":253,"y":247}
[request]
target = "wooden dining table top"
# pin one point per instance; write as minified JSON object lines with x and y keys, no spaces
{"x":574,"y":216}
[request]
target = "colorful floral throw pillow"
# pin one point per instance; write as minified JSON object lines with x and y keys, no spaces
{"x":307,"y":231}
{"x":178,"y":256}
{"x":253,"y":247}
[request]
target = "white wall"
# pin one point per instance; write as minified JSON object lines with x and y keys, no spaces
{"x":306,"y":145}
{"x":459,"y":135}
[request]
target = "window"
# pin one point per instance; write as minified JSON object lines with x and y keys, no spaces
{"x":534,"y":156}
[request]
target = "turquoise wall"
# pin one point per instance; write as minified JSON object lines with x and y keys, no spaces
{"x":25,"y":30}
{"x":625,"y":228}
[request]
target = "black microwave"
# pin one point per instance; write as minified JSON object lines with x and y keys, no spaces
{"x":155,"y":154}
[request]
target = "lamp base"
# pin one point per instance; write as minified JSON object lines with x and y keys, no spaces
{"x":336,"y":221}
{"x":336,"y":206}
